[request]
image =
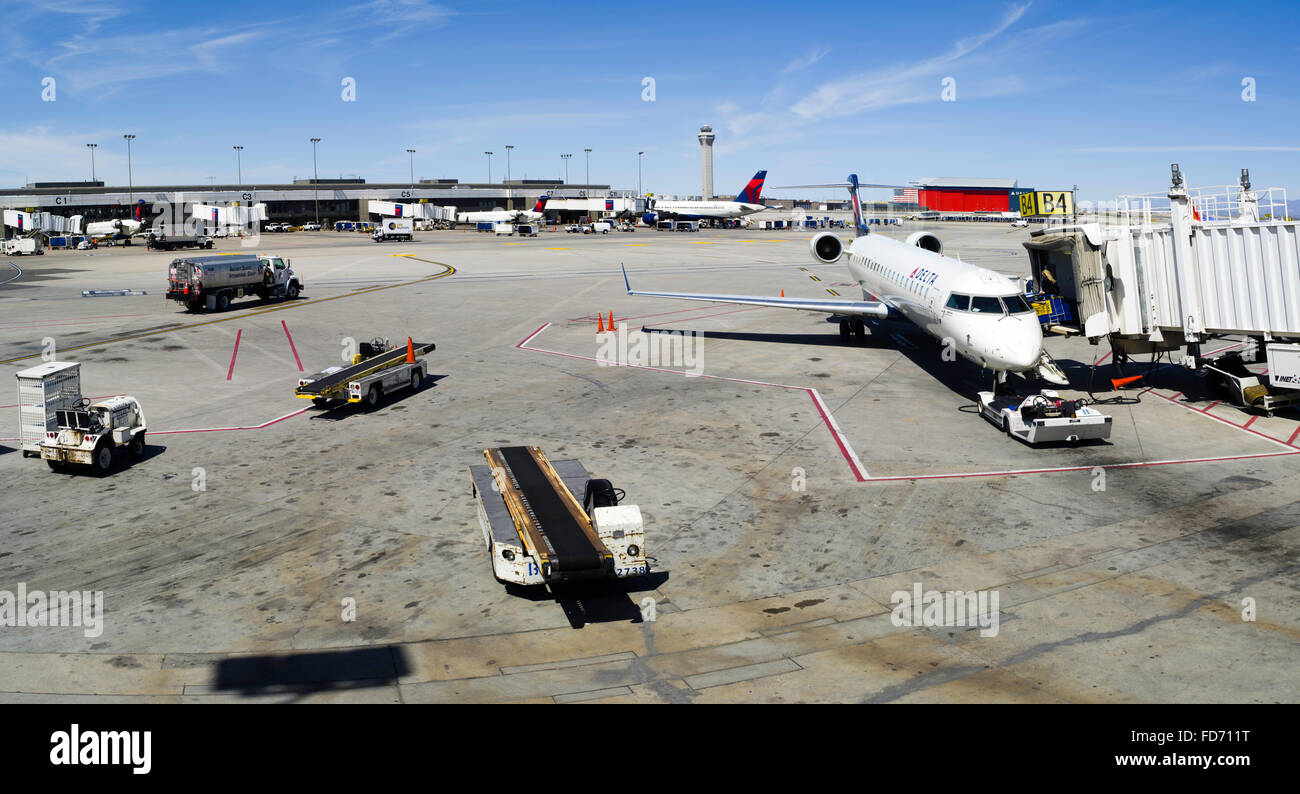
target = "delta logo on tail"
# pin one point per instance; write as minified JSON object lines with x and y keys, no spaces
{"x":753,"y":192}
{"x":541,"y":203}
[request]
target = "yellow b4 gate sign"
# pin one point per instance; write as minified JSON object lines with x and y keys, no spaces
{"x":1044,"y":202}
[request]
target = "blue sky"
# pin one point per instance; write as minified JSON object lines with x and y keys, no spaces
{"x":1102,"y":95}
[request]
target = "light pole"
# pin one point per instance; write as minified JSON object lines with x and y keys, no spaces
{"x":565,"y":158}
{"x":412,"y":153}
{"x":239,"y":164}
{"x":638,"y":174}
{"x":315,"y":179}
{"x":130,"y":187}
{"x":92,"y":147}
{"x":510,"y":199}
{"x":588,"y":151}
{"x":489,"y":154}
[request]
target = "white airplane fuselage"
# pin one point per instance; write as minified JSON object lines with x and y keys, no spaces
{"x":115,"y":229}
{"x":704,"y":210}
{"x":500,"y":216}
{"x":918,"y":284}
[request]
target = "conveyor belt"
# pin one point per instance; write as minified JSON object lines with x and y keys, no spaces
{"x":571,"y":545}
{"x":346,"y":374}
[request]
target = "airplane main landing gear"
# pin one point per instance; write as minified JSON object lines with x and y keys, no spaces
{"x":855,"y":327}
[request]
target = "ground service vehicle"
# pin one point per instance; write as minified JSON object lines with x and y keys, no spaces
{"x":377,"y":370}
{"x":212,"y":282}
{"x":42,"y":391}
{"x":537,"y":532}
{"x":1044,"y":417}
{"x":21,"y":246}
{"x":92,"y":433}
{"x":394,"y":229}
{"x":171,"y":242}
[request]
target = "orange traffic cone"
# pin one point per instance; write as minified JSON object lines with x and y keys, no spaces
{"x":1120,"y":383}
{"x":600,"y":323}
{"x":611,"y":319}
{"x":410,"y":351}
{"x":782,"y":293}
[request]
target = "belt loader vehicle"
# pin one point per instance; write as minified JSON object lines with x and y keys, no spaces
{"x":212,"y":282}
{"x":375,"y":371}
{"x":91,"y":433}
{"x":538,"y":533}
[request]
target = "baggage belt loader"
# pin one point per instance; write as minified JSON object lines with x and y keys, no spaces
{"x":375,"y":371}
{"x":538,"y":533}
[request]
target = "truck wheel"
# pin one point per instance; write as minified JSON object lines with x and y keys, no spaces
{"x":137,"y":446}
{"x":292,"y":292}
{"x":319,"y":402}
{"x":223,"y":301}
{"x":103,"y":458}
{"x":373,"y":396}
{"x":416,"y":379}
{"x":55,"y":465}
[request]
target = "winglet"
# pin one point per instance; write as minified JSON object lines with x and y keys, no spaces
{"x":626,"y":283}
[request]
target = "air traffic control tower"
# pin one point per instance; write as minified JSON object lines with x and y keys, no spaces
{"x":706,"y":160}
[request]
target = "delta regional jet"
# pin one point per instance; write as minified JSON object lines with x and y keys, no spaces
{"x":981,"y":314}
{"x":747,"y":203}
{"x":505,"y":216}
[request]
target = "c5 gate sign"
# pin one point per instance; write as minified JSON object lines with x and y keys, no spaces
{"x":1046,"y":202}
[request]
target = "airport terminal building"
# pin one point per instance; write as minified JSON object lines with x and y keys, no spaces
{"x":306,"y":199}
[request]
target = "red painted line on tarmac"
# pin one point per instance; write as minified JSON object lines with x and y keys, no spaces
{"x":1250,"y":421}
{"x":1205,"y":412}
{"x":1291,"y":440}
{"x":230,"y":373}
{"x":861,"y":475}
{"x":262,"y":426}
{"x":297,"y":360}
{"x":855,"y":465}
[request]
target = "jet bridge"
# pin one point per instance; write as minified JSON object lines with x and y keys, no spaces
{"x":1164,"y":273}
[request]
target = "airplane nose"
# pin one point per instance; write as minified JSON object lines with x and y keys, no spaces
{"x":1023,"y":350}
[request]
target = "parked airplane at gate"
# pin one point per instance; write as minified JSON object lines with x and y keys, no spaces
{"x":985,"y":316}
{"x":505,"y":216}
{"x":747,"y":203}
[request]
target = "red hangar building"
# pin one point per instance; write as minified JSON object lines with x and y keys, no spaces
{"x":967,"y":195}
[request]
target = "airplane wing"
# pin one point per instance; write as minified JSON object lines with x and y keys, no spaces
{"x":847,"y":308}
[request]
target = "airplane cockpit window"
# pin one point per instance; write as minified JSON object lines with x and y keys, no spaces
{"x":1016,"y":304}
{"x":959,"y":302}
{"x":986,"y":304}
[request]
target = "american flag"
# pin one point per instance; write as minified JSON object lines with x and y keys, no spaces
{"x":907,"y":195}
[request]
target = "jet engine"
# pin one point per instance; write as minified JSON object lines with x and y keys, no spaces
{"x":826,"y":247}
{"x":926,"y":240}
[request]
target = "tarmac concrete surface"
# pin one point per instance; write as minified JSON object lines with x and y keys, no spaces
{"x":791,"y":485}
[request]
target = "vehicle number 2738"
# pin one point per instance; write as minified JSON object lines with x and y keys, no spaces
{"x":634,"y":570}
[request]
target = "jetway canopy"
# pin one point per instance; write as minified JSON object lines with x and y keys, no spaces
{"x":229,"y":216}
{"x":42,"y":222}
{"x":421,"y":211}
{"x":1178,"y":282}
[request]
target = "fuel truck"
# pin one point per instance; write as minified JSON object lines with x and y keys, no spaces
{"x":212,"y":282}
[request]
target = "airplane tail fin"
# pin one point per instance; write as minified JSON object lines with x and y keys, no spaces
{"x":857,"y":205}
{"x":541,"y":203}
{"x":753,"y":192}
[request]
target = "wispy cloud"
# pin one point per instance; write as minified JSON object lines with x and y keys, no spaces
{"x":808,"y":60}
{"x":896,"y":85}
{"x":106,"y":52}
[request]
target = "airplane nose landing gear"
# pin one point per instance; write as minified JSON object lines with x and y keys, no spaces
{"x":854,"y":326}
